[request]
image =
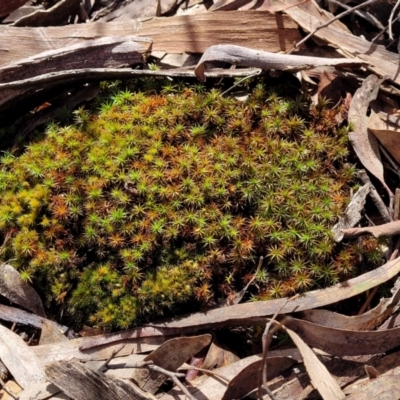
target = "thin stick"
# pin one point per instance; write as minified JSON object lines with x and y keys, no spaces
{"x":255,"y":73}
{"x":365,"y":15}
{"x":368,"y":301}
{"x":150,"y":365}
{"x":393,"y":163}
{"x":174,"y":377}
{"x":266,"y":341}
{"x":343,"y":14}
{"x":390,"y":23}
{"x":383,"y":31}
{"x":104,"y":367}
{"x":379,"y":204}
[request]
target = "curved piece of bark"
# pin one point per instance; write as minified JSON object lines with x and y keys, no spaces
{"x":365,"y":143}
{"x":255,"y":312}
{"x":243,"y":56}
{"x":389,"y":229}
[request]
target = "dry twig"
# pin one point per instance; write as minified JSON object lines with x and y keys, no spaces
{"x":332,"y":20}
{"x":390,"y":23}
{"x":266,"y":341}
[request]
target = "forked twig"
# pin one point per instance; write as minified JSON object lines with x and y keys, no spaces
{"x":341,"y":15}
{"x":390,"y":23}
{"x":266,"y":341}
{"x":150,"y":365}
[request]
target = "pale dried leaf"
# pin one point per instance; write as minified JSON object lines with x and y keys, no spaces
{"x":19,"y":359}
{"x":340,"y":342}
{"x":218,"y":356}
{"x":367,"y":321}
{"x":321,"y":379}
{"x":18,"y":291}
{"x":170,"y":356}
{"x":365,"y":144}
{"x":247,"y":379}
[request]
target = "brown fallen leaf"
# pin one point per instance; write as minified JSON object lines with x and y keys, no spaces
{"x":170,"y":356}
{"x":365,"y":143}
{"x":247,"y":379}
{"x":388,"y":133}
{"x":19,"y":292}
{"x":330,"y":87}
{"x":367,"y":321}
{"x":389,"y":229}
{"x":321,"y":379}
{"x":340,"y":342}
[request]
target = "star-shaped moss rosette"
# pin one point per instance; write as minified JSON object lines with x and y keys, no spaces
{"x":157,"y":201}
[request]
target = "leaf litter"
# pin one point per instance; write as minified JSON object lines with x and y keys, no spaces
{"x":320,"y":335}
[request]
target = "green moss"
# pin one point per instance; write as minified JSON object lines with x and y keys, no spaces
{"x":160,"y":200}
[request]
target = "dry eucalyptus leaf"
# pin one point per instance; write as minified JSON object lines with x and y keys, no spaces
{"x":321,"y":379}
{"x":170,"y":355}
{"x":387,"y":133}
{"x":218,"y":356}
{"x":364,"y":143}
{"x":366,"y":321}
{"x":247,"y":379}
{"x":18,"y":291}
{"x":341,"y":342}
